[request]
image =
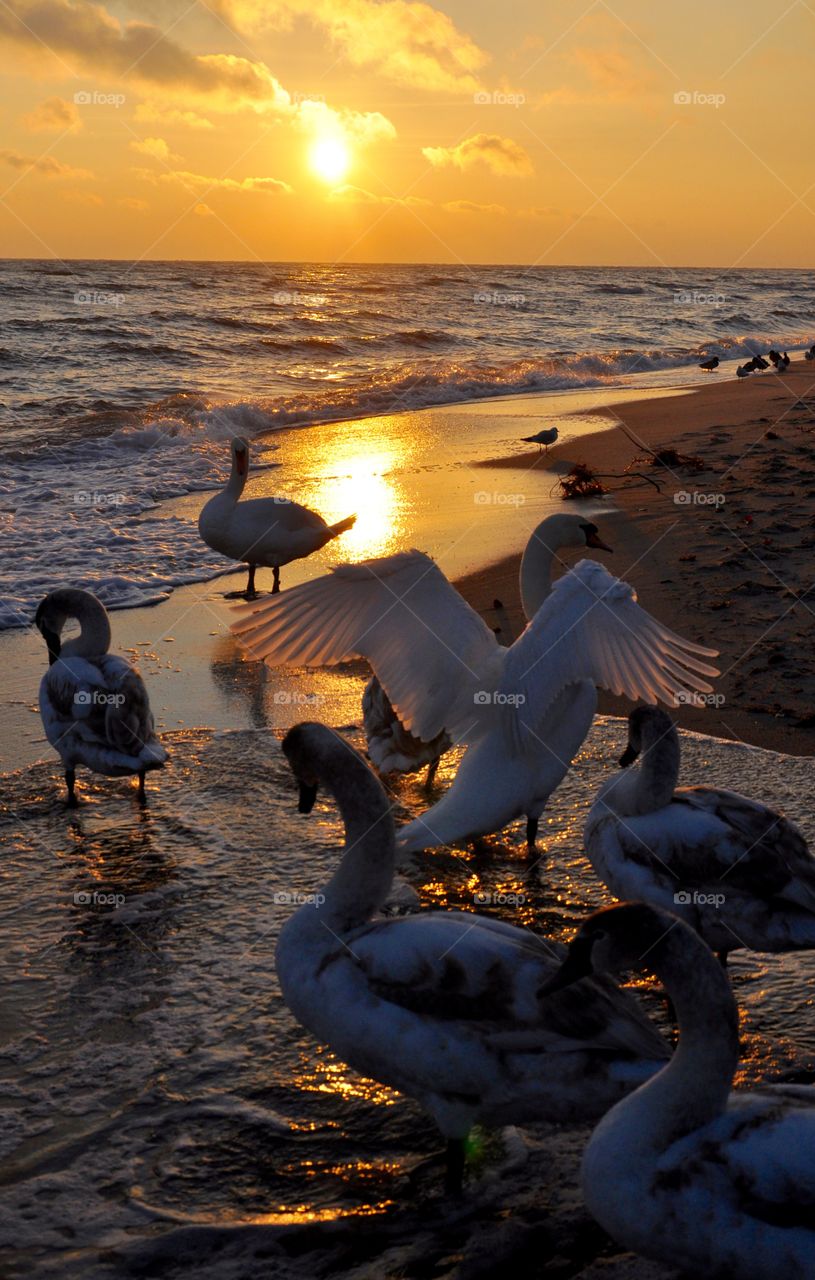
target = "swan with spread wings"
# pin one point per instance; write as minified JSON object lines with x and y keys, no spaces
{"x":523,"y":711}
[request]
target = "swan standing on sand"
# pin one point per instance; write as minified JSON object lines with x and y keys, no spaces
{"x":94,"y":706}
{"x":738,"y":872}
{"x":523,"y":710}
{"x":714,"y":1183}
{"x":444,"y":1005}
{"x":262,"y":531}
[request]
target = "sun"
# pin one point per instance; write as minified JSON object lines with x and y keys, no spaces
{"x":330,"y":158}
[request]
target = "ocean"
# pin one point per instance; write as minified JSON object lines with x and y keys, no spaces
{"x":121,"y":382}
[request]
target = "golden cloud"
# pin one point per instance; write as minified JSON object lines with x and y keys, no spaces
{"x":405,"y":41}
{"x":46,"y":165}
{"x":502,"y":155}
{"x":55,"y":115}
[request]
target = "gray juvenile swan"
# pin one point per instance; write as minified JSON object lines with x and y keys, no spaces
{"x":737,"y":871}
{"x":444,"y":1005}
{"x":94,"y":705}
{"x":714,"y":1183}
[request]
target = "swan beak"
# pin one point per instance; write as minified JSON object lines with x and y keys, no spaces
{"x":54,"y":644}
{"x":307,"y":797}
{"x":594,"y":540}
{"x":628,"y":757}
{"x":575,"y":967}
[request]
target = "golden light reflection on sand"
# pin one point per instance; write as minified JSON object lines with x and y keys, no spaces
{"x":360,"y":482}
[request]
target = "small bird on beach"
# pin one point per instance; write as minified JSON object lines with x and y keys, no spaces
{"x":784,"y":362}
{"x":444,"y":1005}
{"x":743,"y":371}
{"x":760,"y":363}
{"x":774,"y":357}
{"x":542,"y":438}
{"x":741,"y":874}
{"x":268,"y":532}
{"x":94,"y":705}
{"x":810,"y":355}
{"x":710,"y":365}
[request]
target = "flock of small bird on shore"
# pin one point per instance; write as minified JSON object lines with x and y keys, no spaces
{"x":480,"y":1021}
{"x":777,"y":360}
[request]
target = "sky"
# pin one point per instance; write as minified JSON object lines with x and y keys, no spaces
{"x":529,"y":131}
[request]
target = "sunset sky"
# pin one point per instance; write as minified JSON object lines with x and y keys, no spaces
{"x":394,"y":130}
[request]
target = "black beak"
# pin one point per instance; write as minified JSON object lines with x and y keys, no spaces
{"x":628,"y":757}
{"x":575,"y":967}
{"x":594,"y":540}
{"x":307,"y":797}
{"x":54,"y":644}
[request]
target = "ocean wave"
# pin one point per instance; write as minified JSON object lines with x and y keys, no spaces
{"x":614,"y":289}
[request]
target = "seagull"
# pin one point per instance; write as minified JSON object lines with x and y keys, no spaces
{"x":542,"y":438}
{"x":710,"y":365}
{"x":743,"y":371}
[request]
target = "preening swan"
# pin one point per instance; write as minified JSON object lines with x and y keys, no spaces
{"x":524,"y":710}
{"x":262,"y":531}
{"x":738,"y":872}
{"x":94,"y":706}
{"x":444,"y":1005}
{"x":713,"y":1183}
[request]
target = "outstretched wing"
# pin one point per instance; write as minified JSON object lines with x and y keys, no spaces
{"x":591,"y":628}
{"x":426,"y":645}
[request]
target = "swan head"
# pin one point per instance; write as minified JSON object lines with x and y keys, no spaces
{"x":303,"y":746}
{"x":646,"y":727}
{"x":568,"y":531}
{"x":614,"y":940}
{"x":54,"y":611}
{"x":240,"y":457}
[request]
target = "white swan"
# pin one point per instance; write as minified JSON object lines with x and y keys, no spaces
{"x":524,"y":710}
{"x":391,"y":746}
{"x":714,"y":1183}
{"x":740,"y":873}
{"x":262,"y":531}
{"x":94,"y":706}
{"x":443,"y":1005}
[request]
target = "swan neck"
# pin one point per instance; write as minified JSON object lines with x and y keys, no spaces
{"x":658,"y":773}
{"x":363,"y":879}
{"x":693,"y":1089}
{"x":94,"y":634}
{"x":536,"y":573}
{"x":236,"y":483}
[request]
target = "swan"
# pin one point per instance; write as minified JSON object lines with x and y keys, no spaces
{"x":94,"y":705}
{"x":262,"y":531}
{"x":391,"y":746}
{"x":443,"y":1005}
{"x":740,"y":873}
{"x":683,"y":1171}
{"x":524,"y":710}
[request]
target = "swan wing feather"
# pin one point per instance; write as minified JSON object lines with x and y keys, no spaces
{"x":424,"y":642}
{"x":591,"y":627}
